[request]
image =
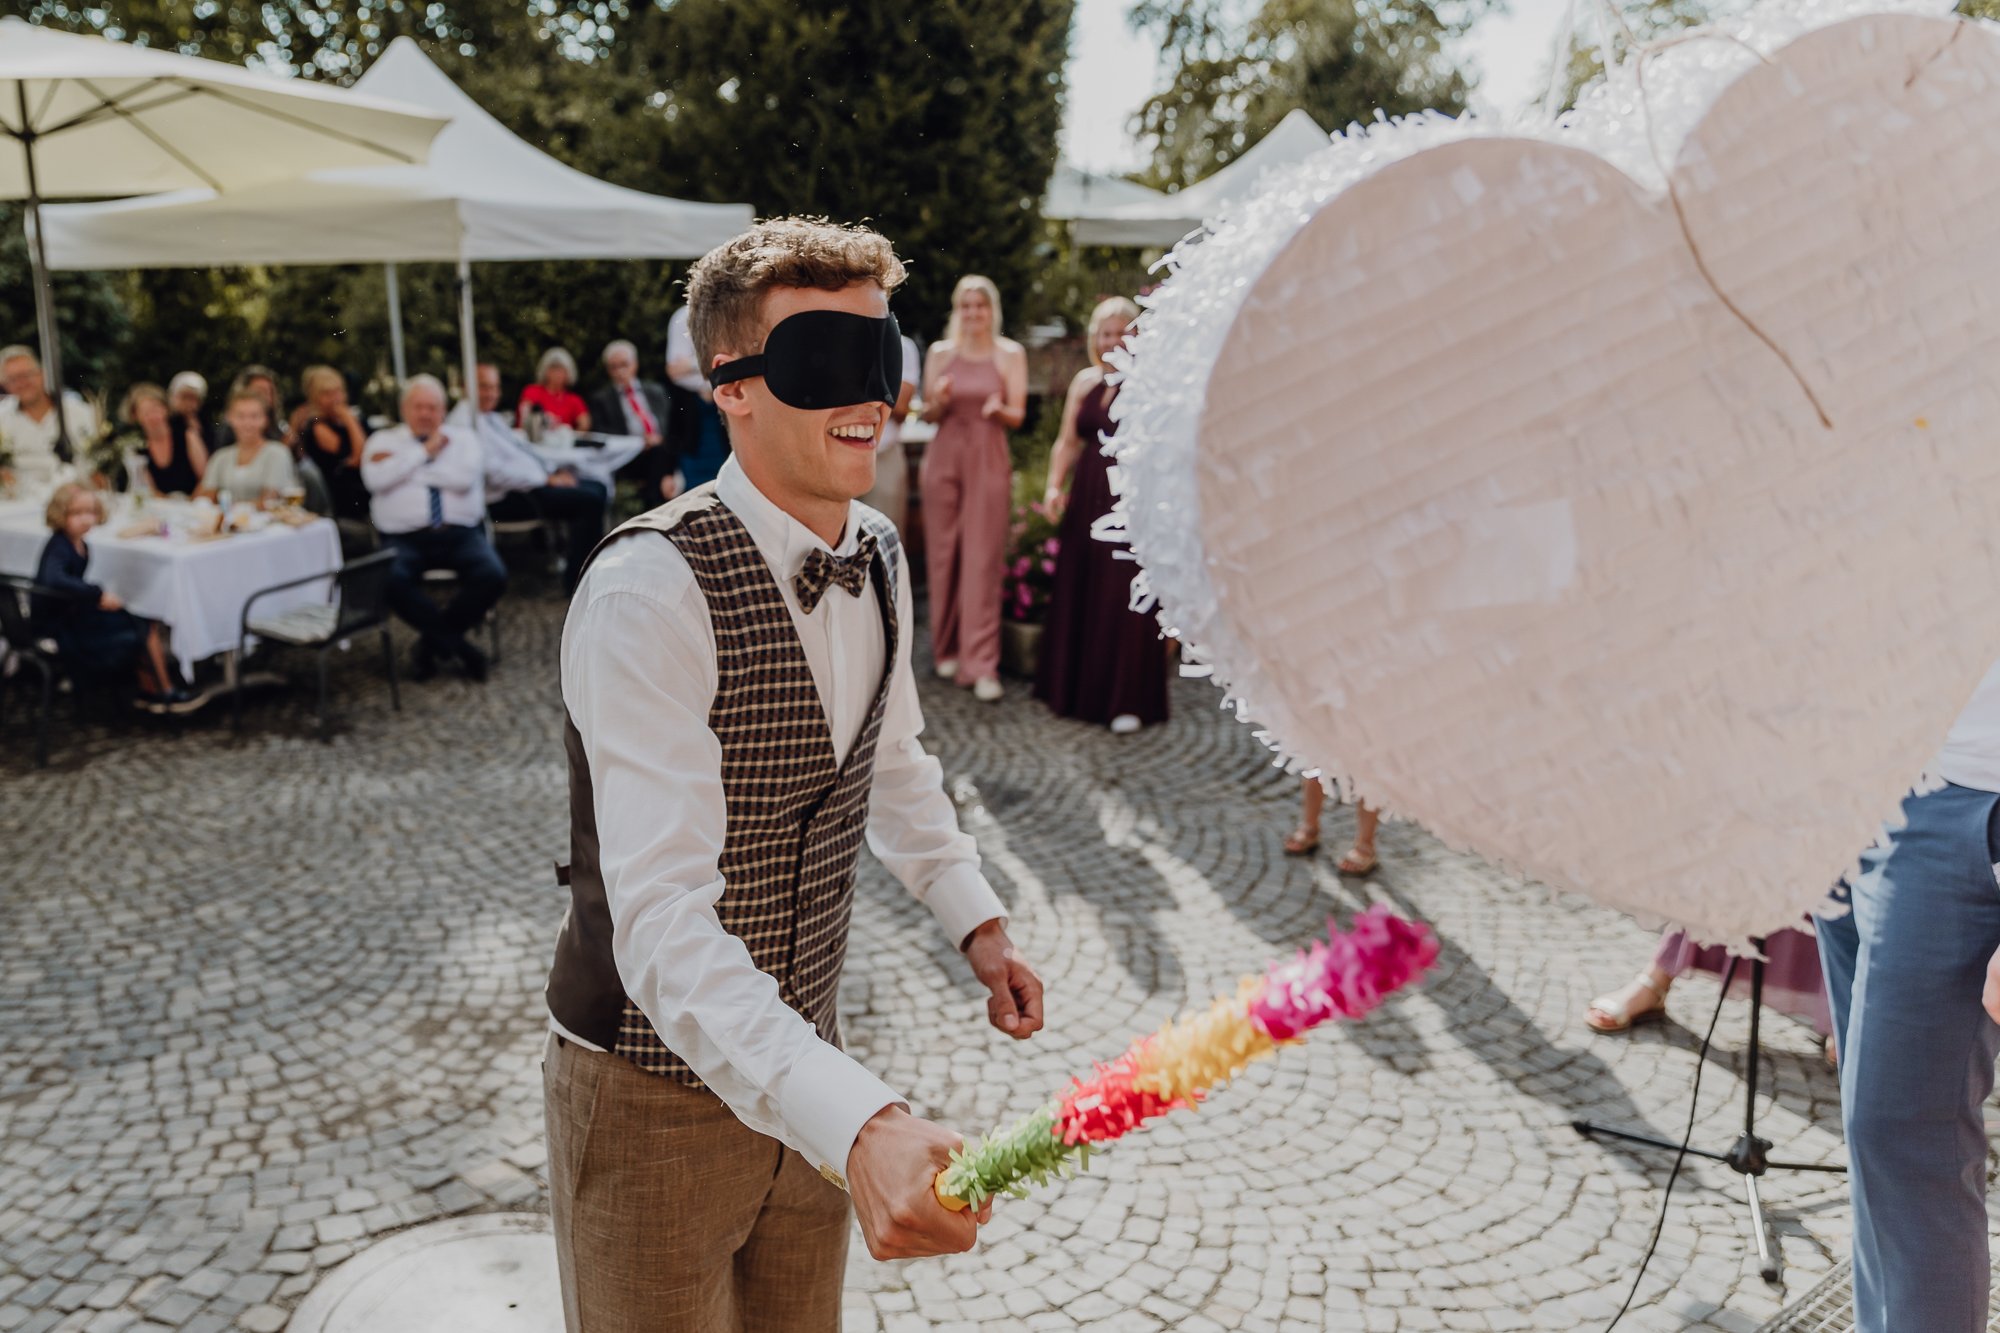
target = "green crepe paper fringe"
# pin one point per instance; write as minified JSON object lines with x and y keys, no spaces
{"x":1008,"y":1160}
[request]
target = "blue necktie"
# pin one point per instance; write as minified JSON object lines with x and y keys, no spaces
{"x":436,"y":497}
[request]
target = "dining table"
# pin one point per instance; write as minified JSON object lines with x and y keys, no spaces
{"x":591,"y":455}
{"x":195,"y":584}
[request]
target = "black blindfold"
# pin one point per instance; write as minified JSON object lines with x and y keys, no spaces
{"x":819,"y":359}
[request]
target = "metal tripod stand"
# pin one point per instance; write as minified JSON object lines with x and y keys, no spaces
{"x":1748,"y":1156}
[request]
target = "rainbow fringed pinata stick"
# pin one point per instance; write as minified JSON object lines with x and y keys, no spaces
{"x":1344,"y":976}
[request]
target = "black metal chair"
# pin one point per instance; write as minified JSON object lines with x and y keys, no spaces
{"x":445,"y":580}
{"x":357,"y":602}
{"x":32,"y":651}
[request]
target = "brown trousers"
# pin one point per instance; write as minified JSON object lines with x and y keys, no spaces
{"x":672,"y":1216}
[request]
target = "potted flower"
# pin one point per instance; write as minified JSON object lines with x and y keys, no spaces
{"x":1030,"y":580}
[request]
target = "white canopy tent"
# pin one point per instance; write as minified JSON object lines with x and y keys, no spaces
{"x":484,"y":195}
{"x":1074,"y":193}
{"x":1166,"y":218}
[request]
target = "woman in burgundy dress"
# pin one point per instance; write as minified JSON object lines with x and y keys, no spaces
{"x":1101,"y":661}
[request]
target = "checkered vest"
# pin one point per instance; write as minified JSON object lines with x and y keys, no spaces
{"x":795,"y":816}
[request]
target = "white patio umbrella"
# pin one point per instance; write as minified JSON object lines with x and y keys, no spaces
{"x":95,"y":118}
{"x":485,"y":195}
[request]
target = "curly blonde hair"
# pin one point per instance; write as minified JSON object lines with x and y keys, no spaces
{"x":57,"y":513}
{"x":726,"y":286}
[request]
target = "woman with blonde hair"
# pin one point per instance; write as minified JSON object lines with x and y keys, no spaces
{"x":170,"y":444}
{"x":1101,"y":661}
{"x":976,"y":390}
{"x":553,"y":394}
{"x":325,"y":432}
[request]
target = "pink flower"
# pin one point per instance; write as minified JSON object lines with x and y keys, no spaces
{"x":1048,"y":566}
{"x":1053,"y":546}
{"x":1345,"y":976}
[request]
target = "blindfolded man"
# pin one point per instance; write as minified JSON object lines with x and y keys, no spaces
{"x":736,"y":669}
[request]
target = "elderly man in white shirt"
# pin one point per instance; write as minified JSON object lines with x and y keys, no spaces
{"x":32,"y":432}
{"x":742,"y":714}
{"x":427,"y":483}
{"x":520,"y":485}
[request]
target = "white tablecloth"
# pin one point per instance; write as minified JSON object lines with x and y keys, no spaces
{"x":593,"y":464}
{"x":197,"y":589}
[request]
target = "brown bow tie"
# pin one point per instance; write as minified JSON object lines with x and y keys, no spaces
{"x":823,"y":570}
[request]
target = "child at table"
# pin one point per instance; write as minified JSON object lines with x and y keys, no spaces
{"x":96,"y":636}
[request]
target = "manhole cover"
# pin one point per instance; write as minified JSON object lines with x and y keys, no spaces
{"x":495,"y":1273}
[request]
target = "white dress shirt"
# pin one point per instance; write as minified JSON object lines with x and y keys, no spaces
{"x":33,"y":443}
{"x":639,"y":678}
{"x":400,"y":474}
{"x":508,"y":461}
{"x":680,"y":347}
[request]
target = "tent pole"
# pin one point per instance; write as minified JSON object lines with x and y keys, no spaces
{"x":45,"y":305}
{"x":395,"y":326}
{"x":468,"y":347}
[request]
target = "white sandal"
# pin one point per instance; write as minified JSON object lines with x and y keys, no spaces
{"x":1620,"y":1013}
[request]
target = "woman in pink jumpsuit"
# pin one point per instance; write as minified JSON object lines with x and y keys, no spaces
{"x":976,"y":389}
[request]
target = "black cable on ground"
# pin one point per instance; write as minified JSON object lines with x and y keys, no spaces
{"x":1694,"y":1107}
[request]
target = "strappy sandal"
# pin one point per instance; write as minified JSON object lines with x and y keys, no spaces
{"x":1302,"y":841}
{"x":1620,"y":1012}
{"x":1357,"y":862}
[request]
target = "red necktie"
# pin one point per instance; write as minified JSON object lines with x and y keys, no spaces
{"x":646,"y":426}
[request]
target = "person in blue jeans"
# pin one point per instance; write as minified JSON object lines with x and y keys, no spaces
{"x":1913,"y":977}
{"x":427,"y":497}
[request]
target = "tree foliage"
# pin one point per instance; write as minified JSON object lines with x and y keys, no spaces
{"x":1234,"y":75}
{"x":92,"y":316}
{"x":937,"y":123}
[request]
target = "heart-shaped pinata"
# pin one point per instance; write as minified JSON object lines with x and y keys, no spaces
{"x":1618,"y":500}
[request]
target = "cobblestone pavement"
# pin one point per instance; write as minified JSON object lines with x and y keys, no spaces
{"x":265,"y":1000}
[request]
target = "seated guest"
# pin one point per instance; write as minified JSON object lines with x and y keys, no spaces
{"x":326,"y":430}
{"x":29,"y":423}
{"x":426,"y":480}
{"x":187,"y":396}
{"x":256,"y":468}
{"x":632,"y":406}
{"x":519,"y":485}
{"x":262,"y":381}
{"x":552,"y":396}
{"x":174,"y":455}
{"x":98,"y":639}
